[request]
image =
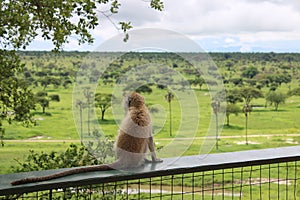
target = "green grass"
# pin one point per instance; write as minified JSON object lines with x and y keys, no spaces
{"x":14,"y":150}
{"x":58,"y":124}
{"x":266,"y":128}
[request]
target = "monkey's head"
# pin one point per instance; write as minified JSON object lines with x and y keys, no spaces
{"x":133,"y":99}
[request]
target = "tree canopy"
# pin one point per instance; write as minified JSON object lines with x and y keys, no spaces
{"x":250,"y":72}
{"x":295,"y":92}
{"x":249,"y":93}
{"x":21,"y":21}
{"x":103,"y":102}
{"x":16,"y":99}
{"x":231,"y":109}
{"x":276,"y":98}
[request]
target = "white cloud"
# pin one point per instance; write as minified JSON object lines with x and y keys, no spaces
{"x":245,"y":48}
{"x":243,"y":23}
{"x":229,"y":40}
{"x":232,"y":17}
{"x":250,"y":22}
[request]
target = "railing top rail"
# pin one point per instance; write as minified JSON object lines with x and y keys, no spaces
{"x":170,"y":166}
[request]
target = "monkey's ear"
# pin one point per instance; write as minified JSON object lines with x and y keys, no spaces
{"x":129,"y":100}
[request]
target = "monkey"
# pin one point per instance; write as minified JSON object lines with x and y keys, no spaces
{"x":132,"y":143}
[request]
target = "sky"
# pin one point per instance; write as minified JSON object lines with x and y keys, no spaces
{"x":215,"y":25}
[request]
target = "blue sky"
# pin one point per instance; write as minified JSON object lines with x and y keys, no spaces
{"x":216,"y":25}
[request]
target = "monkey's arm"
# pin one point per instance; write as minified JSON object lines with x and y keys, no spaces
{"x":152,"y":150}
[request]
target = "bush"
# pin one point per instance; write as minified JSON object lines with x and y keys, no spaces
{"x":54,"y":97}
{"x":74,"y":156}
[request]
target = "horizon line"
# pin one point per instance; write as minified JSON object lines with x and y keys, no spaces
{"x":87,"y":51}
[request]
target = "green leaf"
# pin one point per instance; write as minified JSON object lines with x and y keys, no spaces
{"x":157,"y":4}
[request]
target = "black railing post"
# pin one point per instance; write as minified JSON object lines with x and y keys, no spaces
{"x":50,"y":194}
{"x":257,"y":174}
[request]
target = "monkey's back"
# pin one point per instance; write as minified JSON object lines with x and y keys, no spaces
{"x":131,"y":144}
{"x":133,"y":135}
{"x":140,"y":116}
{"x":135,"y":129}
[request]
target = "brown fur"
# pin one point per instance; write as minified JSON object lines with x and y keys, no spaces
{"x":134,"y":138}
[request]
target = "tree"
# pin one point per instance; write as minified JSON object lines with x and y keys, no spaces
{"x":57,"y":21}
{"x":247,"y":109}
{"x":229,"y":64}
{"x":144,"y":89}
{"x":103,"y":102}
{"x":276,"y":98}
{"x":231,"y":109}
{"x":41,"y":94}
{"x":278,"y":79}
{"x":45,"y":81}
{"x":44,"y":102}
{"x":41,"y":98}
{"x":216,"y":108}
{"x":250,"y":72}
{"x":22,"y":20}
{"x":80,"y":104}
{"x":233,"y":96}
{"x":248,"y":93}
{"x":16,"y":99}
{"x":88,"y":95}
{"x":138,"y":87}
{"x":56,"y":82}
{"x":54,"y":97}
{"x":199,"y":81}
{"x":236,"y":81}
{"x":295,"y":92}
{"x":169,"y":97}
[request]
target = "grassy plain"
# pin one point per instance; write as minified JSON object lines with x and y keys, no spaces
{"x":55,"y":129}
{"x":267,"y":128}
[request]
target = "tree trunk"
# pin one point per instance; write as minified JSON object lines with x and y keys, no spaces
{"x":276,"y":106}
{"x":227,"y":119}
{"x":89,"y":133}
{"x":247,"y":129}
{"x":102,"y":114}
{"x":170,"y":118}
{"x":81,"y":130}
{"x":217,"y":131}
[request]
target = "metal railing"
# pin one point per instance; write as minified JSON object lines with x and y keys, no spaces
{"x":256,"y":174}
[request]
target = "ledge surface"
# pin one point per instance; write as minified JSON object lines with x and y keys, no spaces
{"x":170,"y":166}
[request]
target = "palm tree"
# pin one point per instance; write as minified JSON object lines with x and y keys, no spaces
{"x":169,"y":97}
{"x":80,"y":104}
{"x":248,"y":94}
{"x":246,"y":110}
{"x":88,"y":95}
{"x":216,"y":108}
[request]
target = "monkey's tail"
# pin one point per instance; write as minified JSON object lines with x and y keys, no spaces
{"x":62,"y":174}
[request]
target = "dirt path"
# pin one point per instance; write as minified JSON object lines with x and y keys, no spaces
{"x":235,"y":136}
{"x":31,"y":140}
{"x":158,"y":139}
